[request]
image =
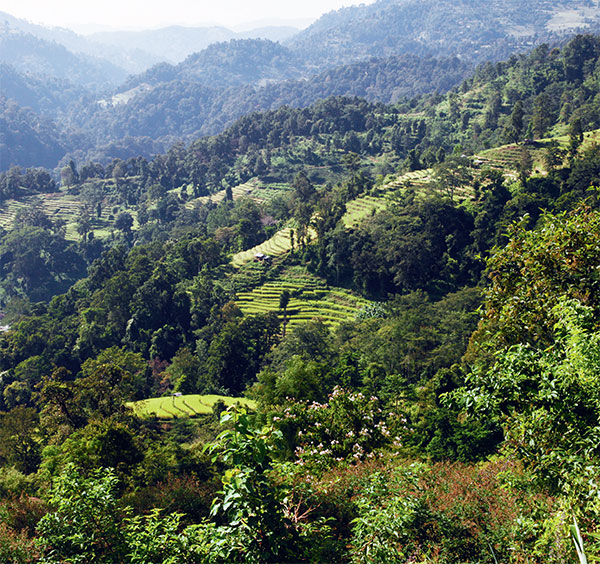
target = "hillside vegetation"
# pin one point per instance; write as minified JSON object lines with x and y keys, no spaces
{"x":416,"y":362}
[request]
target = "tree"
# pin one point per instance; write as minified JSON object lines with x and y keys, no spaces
{"x":21,"y":439}
{"x":531,"y":272}
{"x":513,"y":131}
{"x":575,"y":136}
{"x":548,"y":400}
{"x":38,"y":263}
{"x":69,"y":174}
{"x":251,"y":502}
{"x":236,"y":353}
{"x":304,"y":191}
{"x":542,"y":117}
{"x":452,"y":174}
{"x":284,"y":300}
{"x":525,"y":165}
{"x":553,"y":157}
{"x":124,"y":222}
{"x":84,"y":223}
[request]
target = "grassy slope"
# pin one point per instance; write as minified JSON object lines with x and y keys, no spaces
{"x":171,"y":407}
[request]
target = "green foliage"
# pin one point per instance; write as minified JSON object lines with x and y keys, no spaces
{"x":382,"y":529}
{"x":352,"y":388}
{"x":20,"y":439}
{"x":533,"y":272}
{"x":548,"y":401}
{"x":252,"y":502}
{"x":37,"y":263}
{"x":83,"y":524}
{"x":157,"y":539}
{"x":452,"y":513}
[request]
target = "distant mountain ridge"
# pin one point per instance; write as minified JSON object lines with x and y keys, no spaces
{"x":469,"y":28}
{"x":135,"y":51}
{"x":127,"y":61}
{"x":33,"y":55}
{"x":384,"y":52}
{"x":174,"y":43}
{"x":230,"y":63}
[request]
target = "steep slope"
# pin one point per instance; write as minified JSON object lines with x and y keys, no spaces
{"x":176,"y":107}
{"x":231,"y":63}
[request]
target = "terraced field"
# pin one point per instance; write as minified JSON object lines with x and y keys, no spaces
{"x":57,"y":206}
{"x":173,"y":407}
{"x":266,"y":192}
{"x":310,"y":298}
{"x":276,"y":246}
{"x":253,"y":189}
{"x":65,"y":208}
{"x":245,"y":189}
{"x":504,"y":158}
{"x":508,"y":157}
{"x":358,"y":209}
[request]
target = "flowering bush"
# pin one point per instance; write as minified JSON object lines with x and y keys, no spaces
{"x":348,"y":427}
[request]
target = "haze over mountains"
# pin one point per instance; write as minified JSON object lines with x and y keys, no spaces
{"x":185,"y":82}
{"x":135,"y":51}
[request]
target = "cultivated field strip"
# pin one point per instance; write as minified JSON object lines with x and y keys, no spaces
{"x":310,"y":299}
{"x":174,"y":407}
{"x":252,"y":189}
{"x":276,"y":246}
{"x":360,"y":208}
{"x":57,"y":206}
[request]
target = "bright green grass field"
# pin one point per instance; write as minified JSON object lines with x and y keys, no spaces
{"x":172,"y":407}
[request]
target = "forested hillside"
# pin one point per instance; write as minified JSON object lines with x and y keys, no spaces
{"x":401,"y":297}
{"x":441,"y":28}
{"x":383,"y":51}
{"x":27,"y":138}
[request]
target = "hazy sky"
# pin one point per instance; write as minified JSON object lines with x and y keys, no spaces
{"x":154,"y":13}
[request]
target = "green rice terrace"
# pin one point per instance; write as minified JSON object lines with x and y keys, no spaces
{"x":254,"y":189}
{"x":360,"y":208}
{"x":508,"y":157}
{"x":176,"y":406}
{"x":57,"y":206}
{"x":310,"y":298}
{"x":64,"y":208}
{"x":277,"y":245}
